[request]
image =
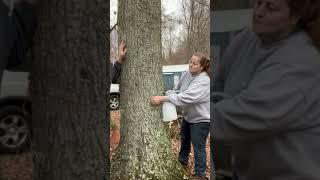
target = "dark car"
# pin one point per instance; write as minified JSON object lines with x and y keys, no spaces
{"x":15,"y":112}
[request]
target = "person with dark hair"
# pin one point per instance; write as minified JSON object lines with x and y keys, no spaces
{"x":266,"y":93}
{"x":194,"y":98}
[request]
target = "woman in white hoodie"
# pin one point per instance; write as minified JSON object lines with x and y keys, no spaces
{"x":194,"y":98}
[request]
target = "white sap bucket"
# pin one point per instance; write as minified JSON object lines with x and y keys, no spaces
{"x":169,"y":112}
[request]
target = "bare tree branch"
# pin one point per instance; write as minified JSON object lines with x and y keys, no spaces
{"x":203,"y":3}
{"x":114,"y":26}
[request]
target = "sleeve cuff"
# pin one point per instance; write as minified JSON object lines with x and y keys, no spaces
{"x":166,"y":99}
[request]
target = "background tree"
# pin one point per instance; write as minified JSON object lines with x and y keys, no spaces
{"x":169,"y":38}
{"x":184,"y":30}
{"x":194,"y":36}
{"x":196,"y":20}
{"x":144,"y":151}
{"x":69,"y":84}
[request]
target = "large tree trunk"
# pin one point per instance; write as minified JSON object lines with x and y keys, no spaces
{"x":69,"y":86}
{"x":144,"y":151}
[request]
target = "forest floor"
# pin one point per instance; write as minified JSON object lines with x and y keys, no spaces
{"x":175,"y":141}
{"x":16,"y":166}
{"x":19,"y":166}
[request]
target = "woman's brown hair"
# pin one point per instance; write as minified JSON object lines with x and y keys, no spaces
{"x":309,"y":13}
{"x":204,"y":62}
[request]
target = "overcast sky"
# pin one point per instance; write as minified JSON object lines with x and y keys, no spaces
{"x":171,"y":6}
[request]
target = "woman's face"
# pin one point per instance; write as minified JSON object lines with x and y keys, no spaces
{"x":272,"y":19}
{"x":195,"y":66}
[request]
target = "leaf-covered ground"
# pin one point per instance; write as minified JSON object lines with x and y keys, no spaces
{"x":175,"y":141}
{"x":19,"y":166}
{"x":16,"y":166}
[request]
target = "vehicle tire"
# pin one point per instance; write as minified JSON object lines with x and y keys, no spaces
{"x":114,"y":102}
{"x":15,"y":129}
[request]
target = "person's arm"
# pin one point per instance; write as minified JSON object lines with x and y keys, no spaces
{"x":116,"y":67}
{"x":197,"y":92}
{"x":273,"y":103}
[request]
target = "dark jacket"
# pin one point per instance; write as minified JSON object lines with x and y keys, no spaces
{"x":271,"y":115}
{"x":16,"y":34}
{"x":115,"y":72}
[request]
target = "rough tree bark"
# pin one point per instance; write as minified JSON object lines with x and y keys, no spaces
{"x":69,"y":80}
{"x":144,"y":151}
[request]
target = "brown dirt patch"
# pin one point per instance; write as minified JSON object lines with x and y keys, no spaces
{"x":16,"y":166}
